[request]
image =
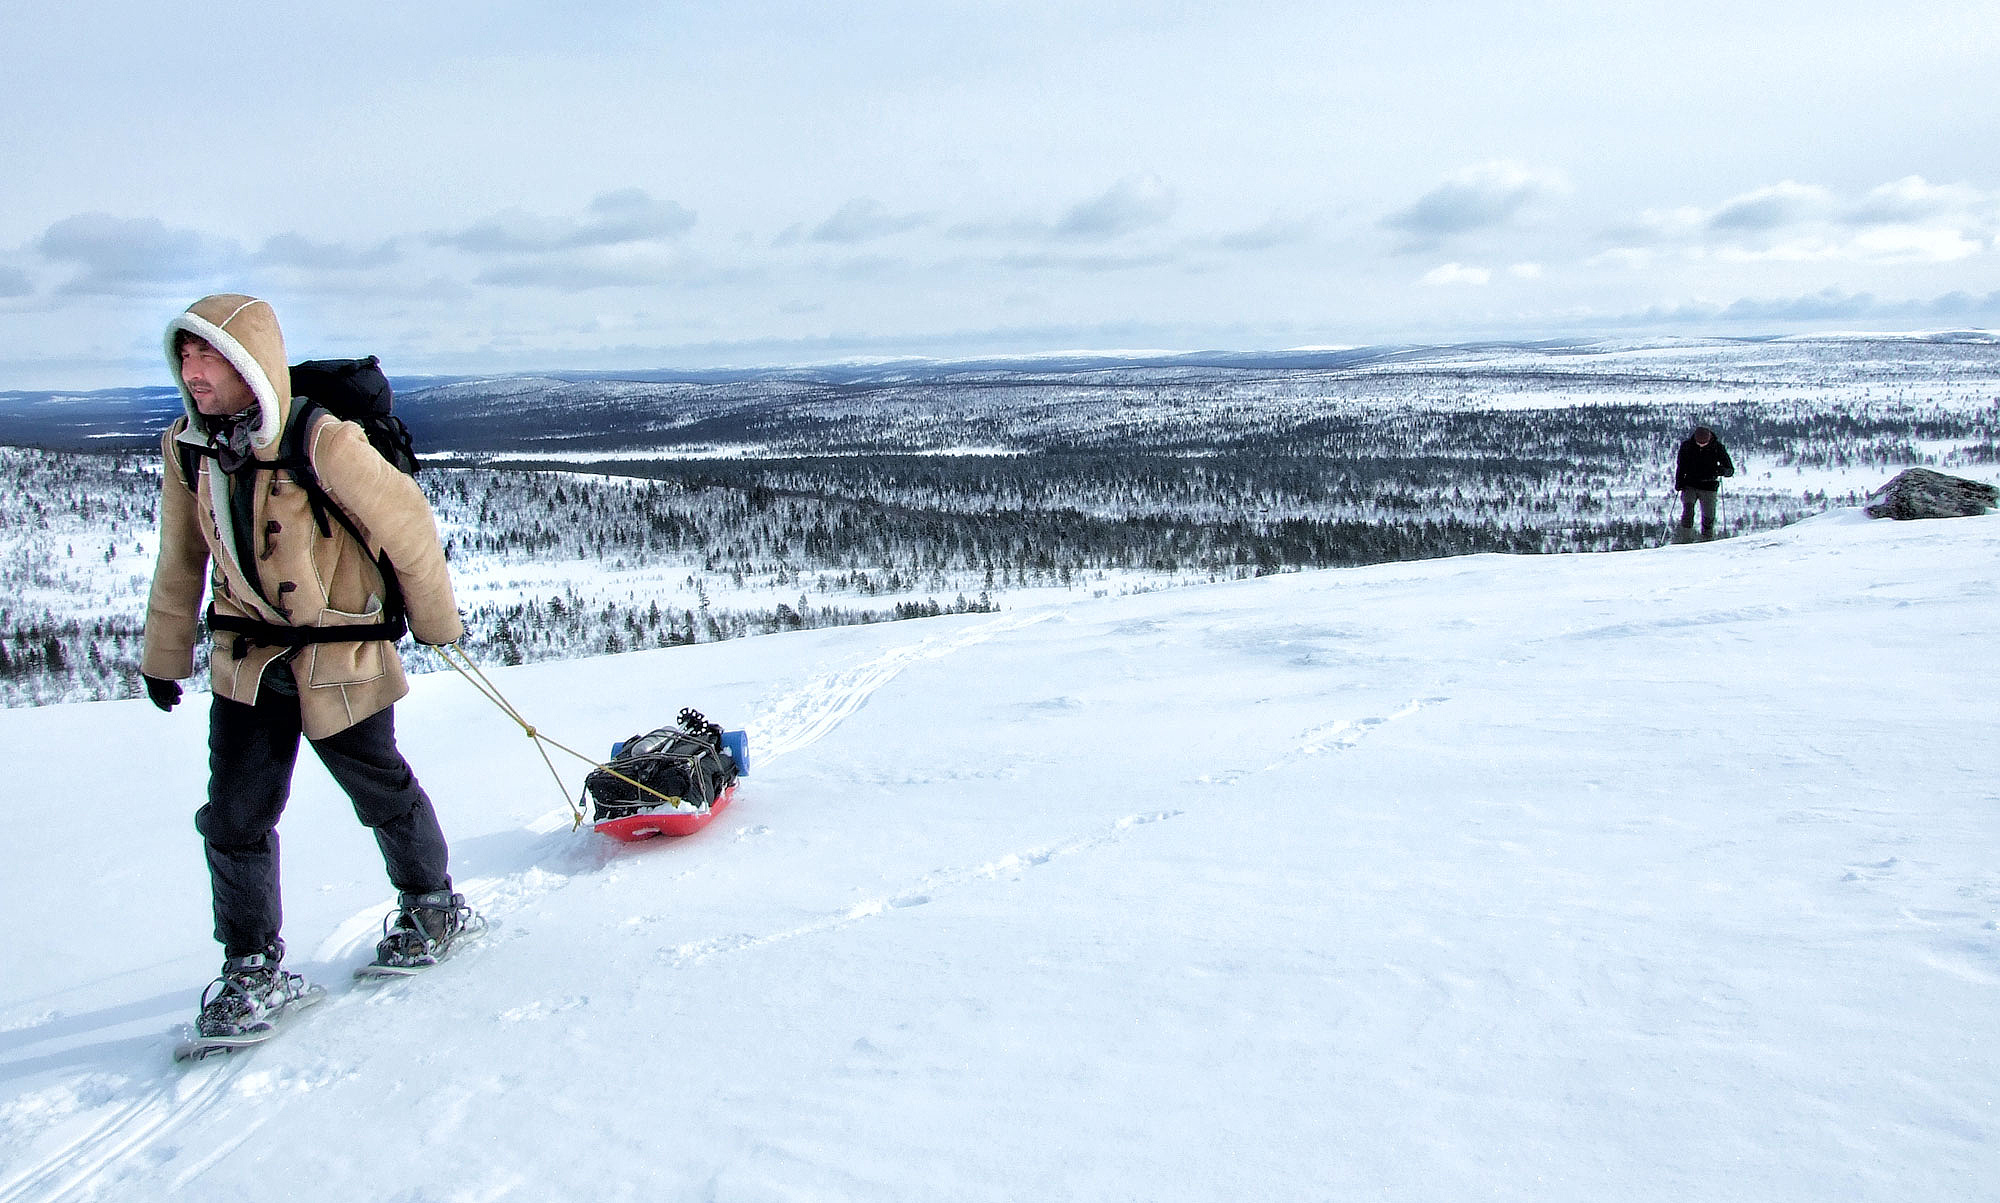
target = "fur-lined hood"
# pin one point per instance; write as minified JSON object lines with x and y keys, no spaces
{"x":245,"y":330}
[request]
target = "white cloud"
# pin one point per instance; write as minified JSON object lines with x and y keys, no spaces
{"x":1777,"y":207}
{"x":1276,"y":232}
{"x":1914,"y":244}
{"x":1880,"y":244}
{"x":865,"y":219}
{"x":1477,"y":198}
{"x":1130,"y":205}
{"x":1628,"y":258}
{"x":1907,"y":221}
{"x":627,"y":215}
{"x":633,"y":266}
{"x":1456,"y":274}
{"x":296,"y":250}
{"x":118,"y":255}
{"x":1913,"y":199}
{"x":1825,"y":308}
{"x":1084,"y":260}
{"x":1653,"y":227}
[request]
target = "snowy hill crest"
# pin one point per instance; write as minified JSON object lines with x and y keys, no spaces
{"x":1622,"y":876}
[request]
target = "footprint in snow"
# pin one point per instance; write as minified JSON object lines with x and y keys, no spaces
{"x":1871,"y":871}
{"x":1342,"y":734}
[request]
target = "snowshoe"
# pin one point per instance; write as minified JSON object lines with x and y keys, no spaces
{"x":245,"y":1006}
{"x":423,"y":930}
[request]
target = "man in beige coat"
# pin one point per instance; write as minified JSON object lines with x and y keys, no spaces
{"x":303,"y":643}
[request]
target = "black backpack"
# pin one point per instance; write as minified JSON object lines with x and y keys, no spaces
{"x":353,"y":390}
{"x":686,"y":761}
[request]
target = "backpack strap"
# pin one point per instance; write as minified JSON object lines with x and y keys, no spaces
{"x":270,"y":634}
{"x":188,"y":457}
{"x":188,"y":454}
{"x":294,"y":458}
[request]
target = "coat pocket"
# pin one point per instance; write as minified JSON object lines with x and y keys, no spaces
{"x":347,"y":663}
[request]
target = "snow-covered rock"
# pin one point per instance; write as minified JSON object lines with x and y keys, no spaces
{"x":1922,"y":493}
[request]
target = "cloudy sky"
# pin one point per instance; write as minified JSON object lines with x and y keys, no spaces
{"x":490,"y":186}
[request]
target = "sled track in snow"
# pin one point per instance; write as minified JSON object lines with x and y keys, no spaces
{"x":1344,"y":734}
{"x":1340,"y":735}
{"x":824,"y":703}
{"x":180,"y":1097}
{"x":130,"y":1128}
{"x":808,"y":713}
{"x":925,"y":891}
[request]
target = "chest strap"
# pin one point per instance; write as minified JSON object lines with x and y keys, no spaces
{"x":270,"y":634}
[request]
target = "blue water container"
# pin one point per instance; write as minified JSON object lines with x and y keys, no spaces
{"x":737,"y":744}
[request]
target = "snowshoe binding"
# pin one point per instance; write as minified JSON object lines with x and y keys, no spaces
{"x":245,"y":1005}
{"x":423,"y":930}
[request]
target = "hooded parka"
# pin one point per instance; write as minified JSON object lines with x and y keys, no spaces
{"x":296,"y":575}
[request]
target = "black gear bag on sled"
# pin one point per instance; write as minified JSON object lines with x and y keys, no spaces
{"x":669,"y":781}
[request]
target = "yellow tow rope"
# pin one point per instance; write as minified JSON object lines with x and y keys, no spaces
{"x":455,"y":656}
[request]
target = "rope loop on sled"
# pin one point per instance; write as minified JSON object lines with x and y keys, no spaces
{"x":455,"y":656}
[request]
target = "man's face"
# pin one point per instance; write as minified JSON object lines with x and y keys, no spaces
{"x":1702,"y":439}
{"x":217,"y":388}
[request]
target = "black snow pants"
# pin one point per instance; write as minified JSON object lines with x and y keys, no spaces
{"x":251,"y":752}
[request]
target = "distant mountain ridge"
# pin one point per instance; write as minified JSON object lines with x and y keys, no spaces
{"x":903,"y":401}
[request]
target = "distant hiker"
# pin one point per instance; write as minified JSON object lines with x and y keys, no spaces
{"x":300,"y":644}
{"x":1698,"y":471}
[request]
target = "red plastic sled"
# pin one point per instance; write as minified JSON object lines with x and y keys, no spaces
{"x":644,"y":826}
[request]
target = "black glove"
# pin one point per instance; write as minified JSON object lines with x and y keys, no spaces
{"x":165,"y":694}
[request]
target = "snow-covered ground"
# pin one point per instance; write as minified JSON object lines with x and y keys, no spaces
{"x":1668,"y":874}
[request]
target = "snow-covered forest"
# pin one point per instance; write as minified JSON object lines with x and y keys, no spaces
{"x":591,"y":516}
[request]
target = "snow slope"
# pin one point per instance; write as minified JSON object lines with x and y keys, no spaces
{"x":1659,"y":875}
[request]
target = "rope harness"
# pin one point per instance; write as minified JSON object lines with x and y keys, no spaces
{"x":455,"y":656}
